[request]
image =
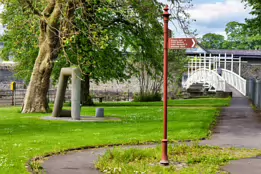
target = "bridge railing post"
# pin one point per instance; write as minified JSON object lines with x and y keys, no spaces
{"x":239,"y":67}
{"x":225,"y":64}
{"x":219,"y":61}
{"x":209,"y":62}
{"x":245,"y":87}
{"x":224,"y":84}
{"x":232,"y":63}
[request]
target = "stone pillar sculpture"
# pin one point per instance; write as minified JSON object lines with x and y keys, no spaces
{"x":75,"y":93}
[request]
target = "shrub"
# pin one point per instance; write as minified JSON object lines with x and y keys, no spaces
{"x":147,"y":97}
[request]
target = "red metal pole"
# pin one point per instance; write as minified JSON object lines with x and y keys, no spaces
{"x":164,"y":160}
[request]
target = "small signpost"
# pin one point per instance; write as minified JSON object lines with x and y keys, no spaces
{"x":182,"y":43}
{"x":170,"y":43}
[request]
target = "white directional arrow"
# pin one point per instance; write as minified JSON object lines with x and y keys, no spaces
{"x":194,"y":43}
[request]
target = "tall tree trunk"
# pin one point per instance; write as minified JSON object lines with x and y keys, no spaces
{"x":86,"y":99}
{"x":49,"y":47}
{"x":36,"y":94}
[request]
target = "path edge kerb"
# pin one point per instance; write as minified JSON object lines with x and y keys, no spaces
{"x":214,"y":123}
{"x":38,"y":158}
{"x":30,"y":169}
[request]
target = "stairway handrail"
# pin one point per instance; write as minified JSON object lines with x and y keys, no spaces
{"x":235,"y":74}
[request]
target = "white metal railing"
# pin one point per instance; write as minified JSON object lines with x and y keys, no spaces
{"x":207,"y":77}
{"x":203,"y":69}
{"x":214,"y":62}
{"x":235,"y":80}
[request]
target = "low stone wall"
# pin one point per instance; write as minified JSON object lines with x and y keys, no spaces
{"x":116,"y":87}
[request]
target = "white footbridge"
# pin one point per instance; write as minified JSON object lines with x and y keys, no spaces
{"x":215,"y":72}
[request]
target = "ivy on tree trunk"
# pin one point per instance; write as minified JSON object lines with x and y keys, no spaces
{"x":49,"y":47}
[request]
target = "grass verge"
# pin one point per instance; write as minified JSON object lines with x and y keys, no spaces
{"x":184,"y":159}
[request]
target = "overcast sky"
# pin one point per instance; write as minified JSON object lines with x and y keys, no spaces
{"x":212,"y":15}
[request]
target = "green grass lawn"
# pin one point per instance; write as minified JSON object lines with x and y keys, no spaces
{"x":183,"y":159}
{"x":24,"y":136}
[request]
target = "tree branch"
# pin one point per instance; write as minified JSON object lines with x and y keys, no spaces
{"x":55,"y":14}
{"x":35,"y":11}
{"x":49,"y":9}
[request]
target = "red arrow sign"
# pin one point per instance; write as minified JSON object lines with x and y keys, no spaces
{"x":182,"y":43}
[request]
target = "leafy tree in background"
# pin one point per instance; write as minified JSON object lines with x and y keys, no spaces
{"x":149,"y":68}
{"x":240,"y":37}
{"x":243,"y":36}
{"x":78,"y":34}
{"x":59,"y":36}
{"x":116,"y":31}
{"x":236,"y":36}
{"x":21,"y":38}
{"x":213,"y":41}
{"x":253,"y":24}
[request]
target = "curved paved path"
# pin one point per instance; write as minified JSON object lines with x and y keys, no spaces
{"x":81,"y":162}
{"x":238,"y":126}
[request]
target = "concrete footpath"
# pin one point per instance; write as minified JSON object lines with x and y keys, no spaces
{"x":238,"y":126}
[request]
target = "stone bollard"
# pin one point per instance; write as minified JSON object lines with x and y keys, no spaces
{"x":257,"y":93}
{"x":99,"y":112}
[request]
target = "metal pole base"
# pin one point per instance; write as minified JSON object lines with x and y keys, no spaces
{"x":164,"y":163}
{"x":164,"y":160}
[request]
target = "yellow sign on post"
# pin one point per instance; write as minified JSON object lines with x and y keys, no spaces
{"x":13,"y":86}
